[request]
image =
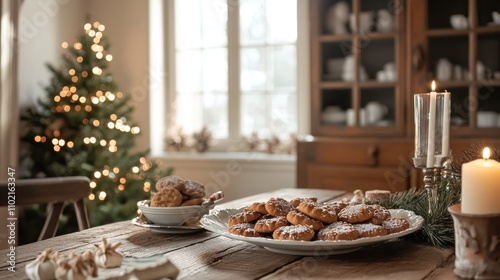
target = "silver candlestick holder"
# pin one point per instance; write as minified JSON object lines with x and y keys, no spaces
{"x":432,"y":139}
{"x":432,"y":178}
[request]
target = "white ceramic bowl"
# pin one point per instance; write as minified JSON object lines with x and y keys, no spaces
{"x":171,"y":216}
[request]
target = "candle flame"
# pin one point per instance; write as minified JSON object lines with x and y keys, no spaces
{"x":433,"y":86}
{"x":486,"y":153}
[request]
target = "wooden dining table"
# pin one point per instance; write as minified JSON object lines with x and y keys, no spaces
{"x":206,"y":255}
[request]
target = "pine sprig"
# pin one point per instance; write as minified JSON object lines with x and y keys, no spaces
{"x":438,"y":227}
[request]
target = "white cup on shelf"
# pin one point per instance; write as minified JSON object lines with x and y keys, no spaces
{"x":351,"y":117}
{"x":375,"y":111}
{"x":381,"y":76}
{"x":487,"y":119}
{"x":459,"y":21}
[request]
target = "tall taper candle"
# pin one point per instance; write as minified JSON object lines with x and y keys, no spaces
{"x":431,"y":144}
{"x":445,"y":142}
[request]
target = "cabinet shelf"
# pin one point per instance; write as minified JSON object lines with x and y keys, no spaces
{"x":451,"y":84}
{"x":488,"y":29}
{"x":494,"y":83}
{"x":447,"y":32}
{"x":328,"y":38}
{"x":376,"y":84}
{"x":348,"y":85}
{"x":336,"y":85}
{"x":335,"y":38}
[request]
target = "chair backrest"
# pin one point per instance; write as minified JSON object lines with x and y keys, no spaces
{"x":51,"y":191}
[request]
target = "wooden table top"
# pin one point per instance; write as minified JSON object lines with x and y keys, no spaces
{"x":206,"y":255}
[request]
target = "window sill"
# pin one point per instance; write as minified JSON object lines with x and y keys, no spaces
{"x":228,"y":156}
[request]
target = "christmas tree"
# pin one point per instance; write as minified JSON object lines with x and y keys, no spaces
{"x":84,"y":128}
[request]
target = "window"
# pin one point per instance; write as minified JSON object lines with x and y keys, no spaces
{"x":233,"y":67}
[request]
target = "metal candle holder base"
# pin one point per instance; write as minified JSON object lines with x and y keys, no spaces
{"x":432,"y":178}
{"x":477,"y":244}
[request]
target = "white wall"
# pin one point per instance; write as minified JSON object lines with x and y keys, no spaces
{"x":45,"y":24}
{"x":236,"y":174}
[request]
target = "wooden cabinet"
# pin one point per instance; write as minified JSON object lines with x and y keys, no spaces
{"x":471,"y":53}
{"x":368,"y":58}
{"x":355,"y":90}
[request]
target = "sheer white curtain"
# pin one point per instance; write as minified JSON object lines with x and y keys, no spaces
{"x":8,"y":84}
{"x":9,"y":115}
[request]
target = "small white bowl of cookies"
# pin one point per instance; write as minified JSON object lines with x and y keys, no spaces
{"x":177,"y":202}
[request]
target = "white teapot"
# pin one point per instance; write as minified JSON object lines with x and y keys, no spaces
{"x":375,"y":111}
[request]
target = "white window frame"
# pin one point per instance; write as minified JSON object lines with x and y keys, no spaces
{"x":162,"y":60}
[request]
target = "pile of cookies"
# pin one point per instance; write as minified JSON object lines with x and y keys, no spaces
{"x":173,"y":191}
{"x":305,"y":219}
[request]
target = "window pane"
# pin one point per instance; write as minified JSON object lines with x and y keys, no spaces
{"x":201,"y":66}
{"x":195,"y":110}
{"x":253,"y":23}
{"x":283,"y":65}
{"x":214,"y":14}
{"x":253,"y":69}
{"x":215,"y":111}
{"x":188,"y":71}
{"x":189,"y":112}
{"x":282,"y":113}
{"x":215,"y":69}
{"x":282,"y":20}
{"x":187,"y":24}
{"x":253,"y":112}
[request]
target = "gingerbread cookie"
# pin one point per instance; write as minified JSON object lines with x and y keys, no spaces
{"x":338,"y":231}
{"x":320,"y":212}
{"x":356,"y":213}
{"x":295,"y":232}
{"x":380,"y":214}
{"x":394,"y":225}
{"x":259,"y":207}
{"x":278,"y":206}
{"x":338,"y":205}
{"x":297,"y":218}
{"x":244,"y":229}
{"x":170,"y":182}
{"x":167,"y":197}
{"x":243,"y":217}
{"x":296,"y":201}
{"x":370,"y":230}
{"x":193,"y":201}
{"x":270,"y":223}
{"x":193,"y":189}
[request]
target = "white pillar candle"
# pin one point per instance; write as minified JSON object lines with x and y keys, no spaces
{"x":481,"y":186}
{"x":445,"y":141}
{"x":432,"y":128}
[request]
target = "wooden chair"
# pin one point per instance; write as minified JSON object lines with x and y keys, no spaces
{"x":54,"y":192}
